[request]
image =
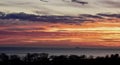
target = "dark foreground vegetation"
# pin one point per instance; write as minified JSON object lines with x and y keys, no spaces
{"x":45,"y":59}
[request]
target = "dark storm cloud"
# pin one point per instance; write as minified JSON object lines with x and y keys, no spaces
{"x":91,"y":16}
{"x":32,"y":17}
{"x":44,"y":0}
{"x":80,"y":2}
{"x":2,"y":14}
{"x":23,"y":17}
{"x":110,"y":15}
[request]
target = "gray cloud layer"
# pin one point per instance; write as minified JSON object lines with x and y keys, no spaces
{"x":60,"y":7}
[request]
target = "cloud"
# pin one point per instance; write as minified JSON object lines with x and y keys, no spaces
{"x":111,"y":3}
{"x":25,"y":29}
{"x":21,"y":3}
{"x":58,"y":30}
{"x":91,"y":16}
{"x":24,"y":18}
{"x":32,"y":17}
{"x":19,"y":16}
{"x":60,"y":7}
{"x":6,"y":33}
{"x":15,"y":3}
{"x":109,"y":15}
{"x":111,"y":40}
{"x":4,"y":4}
{"x":80,"y":2}
{"x":43,"y":0}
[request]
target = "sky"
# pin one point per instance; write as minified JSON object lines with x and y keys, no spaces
{"x":60,"y":23}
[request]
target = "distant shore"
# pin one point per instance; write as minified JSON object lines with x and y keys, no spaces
{"x":22,"y":51}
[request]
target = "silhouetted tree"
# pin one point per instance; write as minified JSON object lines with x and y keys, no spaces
{"x":4,"y":59}
{"x":45,"y":59}
{"x":15,"y":59}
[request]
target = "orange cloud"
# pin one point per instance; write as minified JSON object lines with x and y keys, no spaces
{"x":102,"y":32}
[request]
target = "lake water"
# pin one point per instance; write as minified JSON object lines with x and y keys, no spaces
{"x":59,"y":51}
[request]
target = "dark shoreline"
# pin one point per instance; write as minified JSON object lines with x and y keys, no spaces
{"x":46,"y":59}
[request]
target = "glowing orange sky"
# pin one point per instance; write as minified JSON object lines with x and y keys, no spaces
{"x":102,"y":32}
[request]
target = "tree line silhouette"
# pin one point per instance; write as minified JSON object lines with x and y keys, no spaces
{"x":46,"y":59}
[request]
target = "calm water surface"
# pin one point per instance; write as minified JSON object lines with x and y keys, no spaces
{"x":59,"y":51}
